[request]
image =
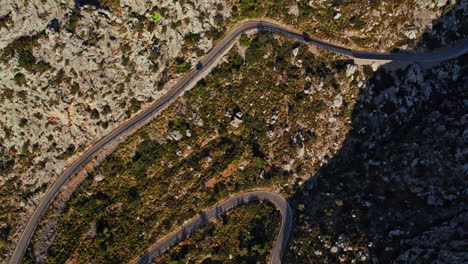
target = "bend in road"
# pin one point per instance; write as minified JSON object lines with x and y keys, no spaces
{"x":277,"y":200}
{"x":188,"y":81}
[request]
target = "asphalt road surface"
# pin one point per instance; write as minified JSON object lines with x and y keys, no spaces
{"x":281,"y":241}
{"x":188,"y":81}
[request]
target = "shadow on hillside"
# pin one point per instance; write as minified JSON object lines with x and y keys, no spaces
{"x":399,"y":172}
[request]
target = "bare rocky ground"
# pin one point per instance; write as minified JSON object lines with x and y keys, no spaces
{"x":80,"y":71}
{"x":98,"y":75}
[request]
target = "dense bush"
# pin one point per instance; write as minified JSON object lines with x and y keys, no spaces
{"x":23,"y":46}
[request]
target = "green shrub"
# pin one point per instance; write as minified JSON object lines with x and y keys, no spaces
{"x":357,"y":22}
{"x":23,"y":122}
{"x":20,"y":79}
{"x":151,"y":26}
{"x":125,"y":48}
{"x":248,"y":8}
{"x":256,"y":50}
{"x":244,"y":40}
{"x":22,"y":95}
{"x":192,"y":38}
{"x":75,"y":88}
{"x":95,"y":114}
{"x":183,"y":67}
{"x":363,"y":42}
{"x":68,"y":152}
{"x":135,"y":106}
{"x":75,"y":16}
{"x":125,"y":61}
{"x":112,"y":4}
{"x":156,"y":17}
{"x":219,"y":20}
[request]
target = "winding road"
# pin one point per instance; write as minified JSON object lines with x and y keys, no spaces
{"x":188,"y":81}
{"x":281,"y":241}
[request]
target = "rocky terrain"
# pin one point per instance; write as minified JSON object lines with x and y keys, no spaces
{"x":396,"y":191}
{"x":91,"y":70}
{"x":73,"y":70}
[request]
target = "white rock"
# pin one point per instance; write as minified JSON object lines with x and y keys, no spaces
{"x":98,"y":177}
{"x":175,"y":135}
{"x":294,"y":10}
{"x":29,"y":18}
{"x":350,"y":69}
{"x":205,"y":44}
{"x":374,"y":66}
{"x":338,"y":101}
{"x":320,"y":86}
{"x":295,"y":51}
{"x":441,"y":3}
{"x":300,"y":153}
{"x":411,"y":34}
{"x":334,"y":249}
{"x":236,"y":122}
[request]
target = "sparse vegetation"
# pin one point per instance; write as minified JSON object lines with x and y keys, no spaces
{"x":318,"y":18}
{"x":68,"y":152}
{"x":23,"y":47}
{"x":244,"y":235}
{"x":74,"y":18}
{"x":256,"y":50}
{"x":194,"y":155}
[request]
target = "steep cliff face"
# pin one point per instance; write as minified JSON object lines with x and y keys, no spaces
{"x":395,"y":188}
{"x":394,"y":193}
